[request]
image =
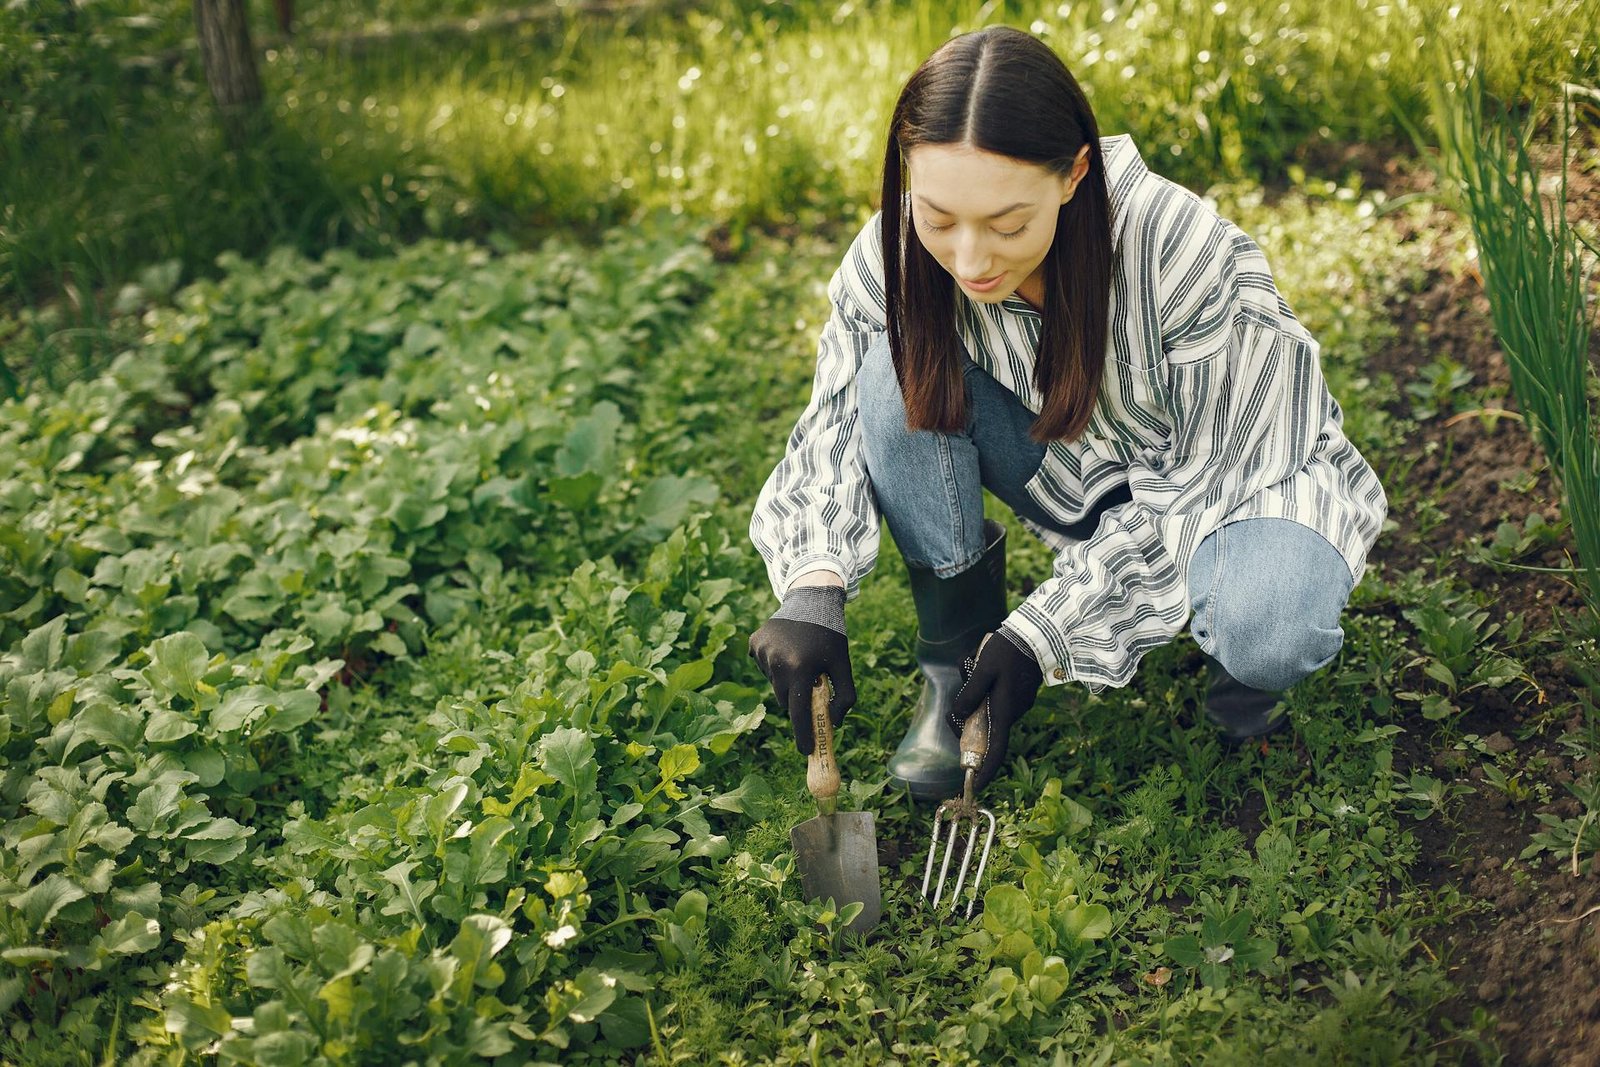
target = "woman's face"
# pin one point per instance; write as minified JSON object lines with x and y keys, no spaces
{"x":988,"y":218}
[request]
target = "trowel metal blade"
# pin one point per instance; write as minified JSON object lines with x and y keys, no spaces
{"x":838,"y":857}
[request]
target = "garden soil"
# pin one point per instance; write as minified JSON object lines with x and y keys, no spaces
{"x":1527,"y":950}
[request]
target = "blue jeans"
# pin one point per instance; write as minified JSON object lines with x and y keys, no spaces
{"x":1266,"y":594}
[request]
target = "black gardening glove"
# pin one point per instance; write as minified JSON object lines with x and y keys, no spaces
{"x":1004,"y":679}
{"x":803,"y":640}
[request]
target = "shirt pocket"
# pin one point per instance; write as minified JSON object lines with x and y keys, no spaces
{"x":1133,"y":416}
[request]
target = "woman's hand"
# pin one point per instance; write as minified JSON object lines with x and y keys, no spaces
{"x":1004,"y":679}
{"x":804,"y":640}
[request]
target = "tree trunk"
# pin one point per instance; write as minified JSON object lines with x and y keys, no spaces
{"x":230,"y":64}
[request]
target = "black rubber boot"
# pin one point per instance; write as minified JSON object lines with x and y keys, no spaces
{"x":1239,"y":712}
{"x":953,"y":614}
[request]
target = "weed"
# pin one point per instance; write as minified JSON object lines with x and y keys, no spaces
{"x":1437,"y":387}
{"x":1575,"y":840}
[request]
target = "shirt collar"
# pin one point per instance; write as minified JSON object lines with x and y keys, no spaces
{"x":1125,"y":169}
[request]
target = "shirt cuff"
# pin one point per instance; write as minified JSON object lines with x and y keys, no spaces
{"x":1037,"y":634}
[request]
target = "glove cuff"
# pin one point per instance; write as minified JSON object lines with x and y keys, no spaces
{"x":821,"y":605}
{"x":1016,"y":640}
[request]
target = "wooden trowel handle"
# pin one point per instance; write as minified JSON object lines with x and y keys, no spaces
{"x":822,"y":770}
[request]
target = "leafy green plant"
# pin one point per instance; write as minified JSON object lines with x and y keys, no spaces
{"x":545,"y":781}
{"x":1222,"y":949}
{"x":1428,"y":514}
{"x":1457,"y":654}
{"x":1513,"y":541}
{"x":133,"y":824}
{"x":322,"y":493}
{"x":1045,"y":916}
{"x":1575,"y":839}
{"x":1432,"y":796}
{"x":1516,"y":785}
{"x":295,"y":480}
{"x":1437,"y":387}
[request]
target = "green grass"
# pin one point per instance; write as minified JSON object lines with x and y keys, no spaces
{"x":751,"y":115}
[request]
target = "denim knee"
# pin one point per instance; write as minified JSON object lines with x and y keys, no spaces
{"x":1267,"y":595}
{"x":1276,"y":656}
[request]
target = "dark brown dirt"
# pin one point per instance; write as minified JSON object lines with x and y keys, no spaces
{"x":1528,"y":951}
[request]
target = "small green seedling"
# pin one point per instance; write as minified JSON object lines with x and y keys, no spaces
{"x":1222,"y":949}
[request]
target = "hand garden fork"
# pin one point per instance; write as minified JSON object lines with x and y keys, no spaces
{"x":961,"y":811}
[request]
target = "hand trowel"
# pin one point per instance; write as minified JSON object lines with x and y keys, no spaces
{"x":837,"y":852}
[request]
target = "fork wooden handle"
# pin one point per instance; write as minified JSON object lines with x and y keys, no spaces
{"x":975,"y":737}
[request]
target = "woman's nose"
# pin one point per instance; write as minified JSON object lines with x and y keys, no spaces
{"x":972,"y":259}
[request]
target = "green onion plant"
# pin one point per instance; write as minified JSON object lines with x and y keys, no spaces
{"x":1535,"y":274}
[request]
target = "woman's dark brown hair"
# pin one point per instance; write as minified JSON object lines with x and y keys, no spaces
{"x":1004,"y":91}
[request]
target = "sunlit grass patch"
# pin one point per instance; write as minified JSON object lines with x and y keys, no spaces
{"x":746,"y":114}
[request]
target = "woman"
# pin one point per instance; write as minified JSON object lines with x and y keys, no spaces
{"x":1040,"y":315}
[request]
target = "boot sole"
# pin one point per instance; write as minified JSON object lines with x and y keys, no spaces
{"x":1232,"y":740}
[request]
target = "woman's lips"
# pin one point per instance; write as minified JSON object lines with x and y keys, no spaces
{"x":984,"y":286}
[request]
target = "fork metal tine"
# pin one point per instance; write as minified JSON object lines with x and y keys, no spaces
{"x":958,"y":810}
{"x":983,"y":861}
{"x":957,"y":817}
{"x":966,"y":863}
{"x":933,"y":848}
{"x":949,"y":850}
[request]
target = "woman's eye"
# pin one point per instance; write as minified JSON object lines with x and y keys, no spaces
{"x":931,"y":228}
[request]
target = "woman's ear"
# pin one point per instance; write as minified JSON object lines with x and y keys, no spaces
{"x":1080,"y":167}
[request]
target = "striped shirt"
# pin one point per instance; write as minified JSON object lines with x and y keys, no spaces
{"x":1212,"y":409}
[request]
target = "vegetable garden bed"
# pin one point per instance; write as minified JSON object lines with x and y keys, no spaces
{"x":387,"y":699}
{"x":372,"y":637}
